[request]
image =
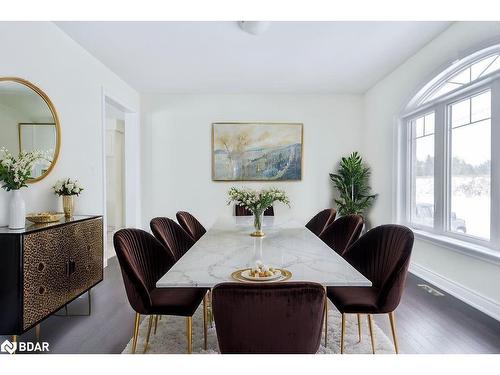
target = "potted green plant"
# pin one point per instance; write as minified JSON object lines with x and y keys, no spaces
{"x":352,"y":183}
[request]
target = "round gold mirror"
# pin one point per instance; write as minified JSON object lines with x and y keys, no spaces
{"x":29,"y":122}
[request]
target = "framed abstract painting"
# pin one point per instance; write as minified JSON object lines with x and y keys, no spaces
{"x":257,"y":151}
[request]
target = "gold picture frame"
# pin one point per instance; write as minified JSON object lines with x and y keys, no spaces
{"x":21,"y":124}
{"x":298,"y":147}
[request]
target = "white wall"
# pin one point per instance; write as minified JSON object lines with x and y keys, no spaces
{"x":74,"y":80}
{"x":177,"y":149}
{"x":383,"y":103}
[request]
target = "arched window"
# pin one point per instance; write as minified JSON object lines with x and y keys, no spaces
{"x":470,"y":74}
{"x":448,"y":128}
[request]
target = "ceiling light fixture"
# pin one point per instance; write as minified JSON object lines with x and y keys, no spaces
{"x":254,"y":27}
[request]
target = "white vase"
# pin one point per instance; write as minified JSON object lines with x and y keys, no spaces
{"x":17,"y":210}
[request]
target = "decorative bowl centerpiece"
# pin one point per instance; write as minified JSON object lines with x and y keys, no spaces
{"x":44,"y":217}
{"x":261,"y":272}
{"x":257,"y":201}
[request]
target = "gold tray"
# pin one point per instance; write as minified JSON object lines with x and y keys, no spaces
{"x":285,"y":275}
{"x":44,"y":217}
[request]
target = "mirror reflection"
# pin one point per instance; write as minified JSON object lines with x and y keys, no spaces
{"x":27,"y":124}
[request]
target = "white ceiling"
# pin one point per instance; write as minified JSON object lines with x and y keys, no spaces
{"x":218,"y":57}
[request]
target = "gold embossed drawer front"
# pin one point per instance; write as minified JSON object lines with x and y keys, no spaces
{"x":86,"y":256}
{"x":59,"y":264}
{"x":45,"y":286}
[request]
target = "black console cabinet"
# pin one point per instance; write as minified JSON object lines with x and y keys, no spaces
{"x":45,"y":266}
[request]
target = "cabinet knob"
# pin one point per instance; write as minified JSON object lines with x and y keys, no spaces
{"x":41,"y":290}
{"x":40,"y":266}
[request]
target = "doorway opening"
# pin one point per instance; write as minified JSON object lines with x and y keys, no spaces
{"x":115,"y":174}
{"x":121,"y":170}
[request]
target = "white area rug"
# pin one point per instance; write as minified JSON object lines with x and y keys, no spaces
{"x":170,"y":336}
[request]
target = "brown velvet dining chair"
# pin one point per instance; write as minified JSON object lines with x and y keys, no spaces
{"x":190,"y":224}
{"x":269,"y":318}
{"x":382,"y":255}
{"x":243,"y":211}
{"x":341,"y":233}
{"x":143,"y":261}
{"x":321,"y":220}
{"x":172,"y":236}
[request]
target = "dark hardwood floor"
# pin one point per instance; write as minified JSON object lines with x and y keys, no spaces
{"x":441,"y":324}
{"x":426,"y":323}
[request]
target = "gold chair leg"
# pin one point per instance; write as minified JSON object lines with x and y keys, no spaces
{"x":342,"y":333}
{"x":136,"y":331}
{"x":151,"y":318}
{"x":392,"y":319}
{"x":372,"y":334}
{"x":37,"y":332}
{"x":189,"y":334}
{"x":205,"y":322}
{"x":326,"y":321}
{"x":359,"y":327}
{"x":156,"y":323}
{"x":160,"y":317}
{"x":210,"y":309}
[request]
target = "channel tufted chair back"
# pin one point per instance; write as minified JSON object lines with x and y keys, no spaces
{"x":269,"y":318}
{"x":143,"y":261}
{"x":172,"y":236}
{"x":190,"y":224}
{"x":341,"y":233}
{"x":321,"y":220}
{"x":382,"y":255}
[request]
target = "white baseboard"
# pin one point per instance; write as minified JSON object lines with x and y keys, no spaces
{"x":106,"y":259}
{"x":470,"y":297}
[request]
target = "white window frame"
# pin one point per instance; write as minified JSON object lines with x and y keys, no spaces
{"x":410,"y":188}
{"x":439,"y":233}
{"x":448,"y":160}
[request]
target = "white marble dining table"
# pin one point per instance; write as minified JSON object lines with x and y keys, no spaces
{"x":227,"y":247}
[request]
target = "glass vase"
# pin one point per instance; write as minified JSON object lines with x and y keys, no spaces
{"x":257,"y":223}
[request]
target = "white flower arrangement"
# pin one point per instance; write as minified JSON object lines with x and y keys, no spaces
{"x":14,"y":172}
{"x":67,"y":186}
{"x":257,"y":201}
